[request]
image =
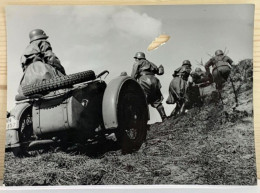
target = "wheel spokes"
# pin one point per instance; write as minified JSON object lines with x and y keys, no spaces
{"x":132,"y":118}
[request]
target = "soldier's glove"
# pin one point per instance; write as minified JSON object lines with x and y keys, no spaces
{"x":160,"y":70}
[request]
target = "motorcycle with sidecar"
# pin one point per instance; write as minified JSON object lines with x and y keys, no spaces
{"x":78,"y":108}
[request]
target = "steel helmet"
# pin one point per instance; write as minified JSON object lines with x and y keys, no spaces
{"x":186,"y":62}
{"x":37,"y":34}
{"x":198,"y":70}
{"x":139,"y":55}
{"x":123,"y":74}
{"x":219,"y":52}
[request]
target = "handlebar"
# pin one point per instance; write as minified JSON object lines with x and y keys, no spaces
{"x":102,"y":73}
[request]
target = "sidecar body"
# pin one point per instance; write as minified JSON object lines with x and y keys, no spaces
{"x":79,"y":114}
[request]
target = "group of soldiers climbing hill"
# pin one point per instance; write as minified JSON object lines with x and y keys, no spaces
{"x":40,"y":57}
{"x":181,"y":85}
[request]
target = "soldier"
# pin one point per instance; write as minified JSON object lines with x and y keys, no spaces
{"x":199,"y":76}
{"x":38,"y":61}
{"x":221,"y":65}
{"x":144,"y":72}
{"x":199,"y":79}
{"x":40,"y":49}
{"x":178,"y":88}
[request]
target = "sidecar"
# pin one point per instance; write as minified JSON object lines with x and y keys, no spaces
{"x":72,"y":109}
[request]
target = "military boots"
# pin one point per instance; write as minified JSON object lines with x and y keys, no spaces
{"x":161,"y":111}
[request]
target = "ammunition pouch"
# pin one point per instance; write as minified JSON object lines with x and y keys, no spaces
{"x":146,"y":73}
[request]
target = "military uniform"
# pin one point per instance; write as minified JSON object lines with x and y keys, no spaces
{"x":178,"y":86}
{"x":199,"y":76}
{"x":40,"y":50}
{"x":221,"y":68}
{"x":144,"y":72}
{"x":38,"y":61}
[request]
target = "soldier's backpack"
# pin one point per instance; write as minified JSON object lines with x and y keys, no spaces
{"x":221,"y":71}
{"x":36,"y":73}
{"x":219,"y":61}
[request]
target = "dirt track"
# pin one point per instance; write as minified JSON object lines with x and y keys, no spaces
{"x":213,"y":144}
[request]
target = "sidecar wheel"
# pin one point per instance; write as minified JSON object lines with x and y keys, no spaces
{"x":25,"y":133}
{"x":132,"y":118}
{"x":20,"y":152}
{"x":58,"y":82}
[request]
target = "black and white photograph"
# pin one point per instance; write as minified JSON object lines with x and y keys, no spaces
{"x":130,"y":95}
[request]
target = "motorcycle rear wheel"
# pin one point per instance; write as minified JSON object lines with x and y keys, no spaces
{"x":132,"y":118}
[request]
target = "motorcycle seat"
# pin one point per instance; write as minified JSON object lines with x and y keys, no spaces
{"x":20,"y":97}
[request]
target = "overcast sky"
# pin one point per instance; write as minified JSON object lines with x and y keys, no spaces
{"x":107,"y":37}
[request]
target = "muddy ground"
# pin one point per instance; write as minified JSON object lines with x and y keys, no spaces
{"x":213,"y":144}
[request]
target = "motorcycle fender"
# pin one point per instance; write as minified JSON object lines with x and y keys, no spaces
{"x":12,"y":125}
{"x":110,"y":101}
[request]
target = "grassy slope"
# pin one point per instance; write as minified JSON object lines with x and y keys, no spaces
{"x":210,"y":145}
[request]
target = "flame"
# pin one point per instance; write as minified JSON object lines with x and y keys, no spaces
{"x":161,"y":40}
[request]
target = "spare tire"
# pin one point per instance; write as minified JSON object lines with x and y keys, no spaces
{"x":58,"y":82}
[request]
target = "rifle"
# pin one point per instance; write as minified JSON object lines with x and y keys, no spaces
{"x":219,"y":93}
{"x":233,"y":86}
{"x":182,"y":109}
